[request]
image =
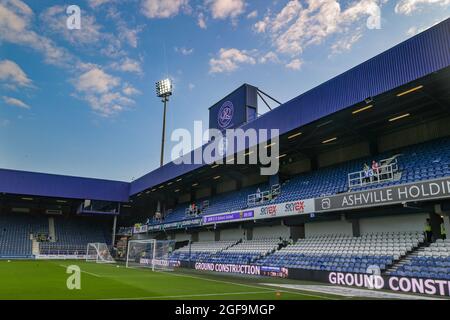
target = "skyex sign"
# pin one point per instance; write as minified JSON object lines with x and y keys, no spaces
{"x":285,"y":209}
{"x":419,"y":191}
{"x":264,"y":212}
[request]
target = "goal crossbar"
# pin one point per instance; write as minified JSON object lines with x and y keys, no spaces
{"x":150,"y":253}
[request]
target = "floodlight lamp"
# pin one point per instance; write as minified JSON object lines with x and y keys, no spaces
{"x":164,"y":88}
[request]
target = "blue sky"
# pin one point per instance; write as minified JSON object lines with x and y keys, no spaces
{"x":82,"y":102}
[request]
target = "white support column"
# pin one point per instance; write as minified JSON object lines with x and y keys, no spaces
{"x":114,"y":230}
{"x":154,"y":255}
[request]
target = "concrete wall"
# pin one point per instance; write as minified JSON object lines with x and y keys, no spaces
{"x":409,"y":222}
{"x":182,"y":236}
{"x":328,"y":227}
{"x":271,"y":232}
{"x":206,"y":236}
{"x":232,"y":234}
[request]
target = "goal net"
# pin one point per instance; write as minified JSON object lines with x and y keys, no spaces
{"x":99,"y":252}
{"x":151,"y":253}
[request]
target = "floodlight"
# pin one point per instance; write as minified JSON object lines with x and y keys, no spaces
{"x":164,"y":88}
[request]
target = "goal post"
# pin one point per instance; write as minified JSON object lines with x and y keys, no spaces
{"x":99,"y":252}
{"x":151,"y":253}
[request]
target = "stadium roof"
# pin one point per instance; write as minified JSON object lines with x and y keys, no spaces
{"x":417,"y":57}
{"x":58,"y":186}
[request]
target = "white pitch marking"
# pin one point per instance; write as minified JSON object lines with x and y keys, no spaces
{"x":352,"y":292}
{"x":193,"y":295}
{"x":250,"y":286}
{"x":90,"y":273}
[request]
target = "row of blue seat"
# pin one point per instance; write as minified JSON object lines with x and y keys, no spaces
{"x":424,"y":161}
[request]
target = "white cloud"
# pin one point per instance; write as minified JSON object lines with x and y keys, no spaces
{"x":296,"y":27}
{"x":97,"y":3}
{"x":15,"y":102}
{"x":201,"y":22}
{"x":184,"y":51}
{"x":55,"y":21}
{"x":91,"y":36}
{"x":15,"y":27}
{"x":163,"y":8}
{"x":90,"y":81}
{"x":229,"y":60}
{"x":21,"y":7}
{"x":269,"y":57}
{"x":345,"y":43}
{"x":191,"y":86}
{"x":98,"y":89}
{"x":252,"y":14}
{"x":129,"y":90}
{"x":295,"y":64}
{"x":97,"y":81}
{"x":130,"y":35}
{"x":222,"y":9}
{"x":407,"y":7}
{"x":127,"y":65}
{"x":124,"y":33}
{"x":13,"y":75}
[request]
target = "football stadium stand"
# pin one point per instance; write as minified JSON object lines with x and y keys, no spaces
{"x":73,"y":235}
{"x":198,"y":251}
{"x":344,"y":253}
{"x":20,"y":231}
{"x":427,"y":262}
{"x":423,"y":161}
{"x":16,"y":234}
{"x":240,"y":252}
{"x":329,"y":252}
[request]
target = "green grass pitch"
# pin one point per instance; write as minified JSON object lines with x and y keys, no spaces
{"x":47,"y":280}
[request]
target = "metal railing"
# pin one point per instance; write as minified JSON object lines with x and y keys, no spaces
{"x":263,"y":197}
{"x":385,"y":172}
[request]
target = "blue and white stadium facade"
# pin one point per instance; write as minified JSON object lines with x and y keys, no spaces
{"x":322,"y":217}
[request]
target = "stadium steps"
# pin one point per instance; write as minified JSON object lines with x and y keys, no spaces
{"x":280,"y":246}
{"x":407,"y":258}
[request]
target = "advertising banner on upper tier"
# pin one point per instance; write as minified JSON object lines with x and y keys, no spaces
{"x":229,"y":217}
{"x":264,"y":212}
{"x":285,"y":209}
{"x":418,"y":191}
{"x":176,"y":225}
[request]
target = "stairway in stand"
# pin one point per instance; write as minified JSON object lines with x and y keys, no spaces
{"x":407,"y":259}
